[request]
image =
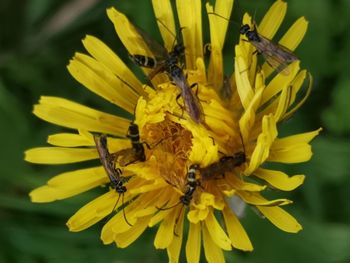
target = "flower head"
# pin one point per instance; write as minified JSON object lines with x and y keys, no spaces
{"x":191,"y":165}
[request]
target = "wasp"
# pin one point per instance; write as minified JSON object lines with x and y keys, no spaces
{"x":213,"y":171}
{"x":136,"y":152}
{"x":117,"y":180}
{"x":277,"y":56}
{"x":224,"y":165}
{"x":167,"y":62}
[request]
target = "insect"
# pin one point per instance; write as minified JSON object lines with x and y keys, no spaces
{"x":277,"y":56}
{"x":165,"y":61}
{"x":117,"y":180}
{"x":225,"y":164}
{"x":191,"y":184}
{"x":137,"y":152}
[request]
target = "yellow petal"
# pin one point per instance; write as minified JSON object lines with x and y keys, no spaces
{"x":70,"y":140}
{"x":279,"y":179}
{"x":262,"y":148}
{"x":212,"y":251}
{"x":128,"y":34}
{"x":291,"y":40}
{"x":216,"y":233}
{"x":272,"y":19}
{"x":190,"y":18}
{"x":165,"y":231}
{"x":99,"y":79}
{"x":102,"y":53}
{"x":99,"y":208}
{"x":277,"y":84}
{"x":131,"y":38}
{"x":296,"y":86}
{"x":76,"y":116}
{"x":244,"y":87}
{"x":59,"y":155}
{"x":293,"y":149}
{"x":246,"y":122}
{"x":125,"y":239}
{"x":254,"y":198}
{"x":281,"y":219}
{"x":92,"y":212}
{"x":193,"y":245}
{"x":236,"y":232}
{"x":283,"y":103}
{"x":218,"y":27}
{"x":174,"y":248}
{"x":166,"y":23}
{"x":69,"y":184}
{"x":295,"y":34}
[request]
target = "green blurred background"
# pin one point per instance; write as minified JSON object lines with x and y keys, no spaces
{"x":37,"y":39}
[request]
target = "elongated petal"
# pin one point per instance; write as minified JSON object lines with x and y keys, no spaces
{"x":69,"y":184}
{"x":244,"y":87}
{"x":166,"y":23}
{"x":212,"y":251}
{"x":218,"y":27}
{"x":125,"y":239}
{"x":165,"y":231}
{"x":70,"y":140}
{"x":190,"y":18}
{"x":174,"y":248}
{"x":76,"y":116}
{"x":257,"y":199}
{"x":193,"y":245}
{"x":279,"y":179}
{"x":281,"y":219}
{"x":100,"y":80}
{"x":265,"y":139}
{"x":236,"y":232}
{"x":273,"y":19}
{"x":59,"y":155}
{"x":216,"y":233}
{"x":293,"y":149}
{"x":102,"y":53}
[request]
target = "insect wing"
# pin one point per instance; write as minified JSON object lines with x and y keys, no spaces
{"x":277,"y":56}
{"x":157,"y":49}
{"x":106,"y":158}
{"x":191,"y":102}
{"x":125,"y":157}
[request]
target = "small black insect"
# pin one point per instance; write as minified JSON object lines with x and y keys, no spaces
{"x":134,"y":154}
{"x":277,"y":56}
{"x":117,"y":180}
{"x":224,"y":165}
{"x":165,"y":61}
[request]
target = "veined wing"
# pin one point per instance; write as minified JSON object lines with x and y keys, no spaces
{"x":125,"y":157}
{"x":192,"y":105}
{"x":159,"y":51}
{"x":106,"y":158}
{"x":277,"y":56}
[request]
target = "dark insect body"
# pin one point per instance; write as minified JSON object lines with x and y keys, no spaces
{"x":224,"y":165}
{"x":165,"y":61}
{"x":117,"y":180}
{"x":134,"y":154}
{"x":277,"y":56}
{"x":137,"y":146}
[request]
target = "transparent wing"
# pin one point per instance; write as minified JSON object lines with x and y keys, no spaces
{"x":157,"y":49}
{"x":277,"y":56}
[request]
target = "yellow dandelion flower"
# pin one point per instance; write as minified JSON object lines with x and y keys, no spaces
{"x":181,"y":160}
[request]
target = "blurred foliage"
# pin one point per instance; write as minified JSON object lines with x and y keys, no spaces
{"x":33,"y":56}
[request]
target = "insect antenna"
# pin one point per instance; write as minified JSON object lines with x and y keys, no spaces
{"x":169,"y":207}
{"x":124,"y":215}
